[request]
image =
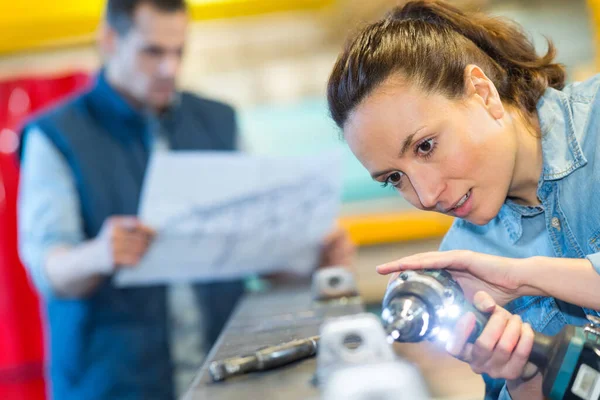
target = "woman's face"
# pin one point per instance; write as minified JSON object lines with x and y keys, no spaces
{"x":456,"y":157}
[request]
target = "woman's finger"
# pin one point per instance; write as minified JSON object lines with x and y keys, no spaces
{"x":456,"y":344}
{"x":505,"y":347}
{"x":493,"y":330}
{"x":485,"y":303}
{"x":456,"y":259}
{"x":467,"y":353}
{"x":486,"y":342}
{"x":415,"y":261}
{"x":517,"y":365}
{"x":392,"y":266}
{"x":419,"y":261}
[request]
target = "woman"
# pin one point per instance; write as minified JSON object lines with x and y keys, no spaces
{"x":458,"y":113}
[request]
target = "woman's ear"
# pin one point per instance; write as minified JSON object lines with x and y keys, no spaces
{"x":478,"y":84}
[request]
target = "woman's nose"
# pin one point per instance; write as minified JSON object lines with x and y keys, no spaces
{"x":428,"y":188}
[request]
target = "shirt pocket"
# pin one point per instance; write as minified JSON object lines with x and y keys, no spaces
{"x":594,"y":241}
{"x":542,"y":313}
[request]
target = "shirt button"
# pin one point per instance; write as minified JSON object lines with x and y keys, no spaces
{"x":555,"y":223}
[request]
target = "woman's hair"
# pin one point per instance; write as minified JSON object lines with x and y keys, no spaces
{"x":429,"y":43}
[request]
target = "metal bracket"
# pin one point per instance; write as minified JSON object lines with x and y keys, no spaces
{"x":351,"y":340}
{"x":356,"y":361}
{"x":333,"y":283}
{"x":387,"y":381}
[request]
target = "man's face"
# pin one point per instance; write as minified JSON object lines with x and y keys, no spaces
{"x":146,"y":59}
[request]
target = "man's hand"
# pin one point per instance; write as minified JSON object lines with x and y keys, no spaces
{"x":337,"y":250}
{"x":127,"y":240}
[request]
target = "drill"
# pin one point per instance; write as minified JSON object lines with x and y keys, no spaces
{"x":424,"y":305}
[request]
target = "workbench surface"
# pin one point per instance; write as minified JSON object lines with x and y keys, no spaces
{"x":266,"y":319}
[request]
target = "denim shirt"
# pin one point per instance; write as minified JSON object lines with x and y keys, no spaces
{"x":567,"y":224}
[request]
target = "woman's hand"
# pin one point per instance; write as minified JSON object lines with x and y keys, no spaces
{"x":502,"y":349}
{"x":500,"y":277}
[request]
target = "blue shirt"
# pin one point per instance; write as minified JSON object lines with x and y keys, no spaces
{"x":567,"y":224}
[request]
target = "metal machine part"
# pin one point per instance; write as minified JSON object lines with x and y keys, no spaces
{"x":264,"y":359}
{"x":333,"y":283}
{"x":424,"y":305}
{"x":356,"y":362}
{"x":350,"y":341}
{"x":395,"y":380}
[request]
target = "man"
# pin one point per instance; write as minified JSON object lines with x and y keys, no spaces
{"x":83,"y":165}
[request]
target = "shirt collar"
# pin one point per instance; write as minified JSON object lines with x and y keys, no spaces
{"x":511,"y":214}
{"x":561,"y":150}
{"x":120,"y":117}
{"x":116,"y":105}
{"x":112,"y":102}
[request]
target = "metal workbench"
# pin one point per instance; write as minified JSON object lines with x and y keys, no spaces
{"x":265,"y":319}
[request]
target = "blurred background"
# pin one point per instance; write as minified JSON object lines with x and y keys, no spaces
{"x":270,"y":59}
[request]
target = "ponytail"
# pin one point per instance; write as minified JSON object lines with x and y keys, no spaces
{"x":430,"y":43}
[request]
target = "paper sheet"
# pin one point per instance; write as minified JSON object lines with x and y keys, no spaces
{"x":225,"y":215}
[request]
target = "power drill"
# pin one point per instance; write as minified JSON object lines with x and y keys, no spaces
{"x":425,"y":305}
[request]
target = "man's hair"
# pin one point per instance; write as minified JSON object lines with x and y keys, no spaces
{"x":119,"y":13}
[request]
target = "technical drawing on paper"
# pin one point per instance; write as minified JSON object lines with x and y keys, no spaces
{"x":257,"y":229}
{"x":247,"y":229}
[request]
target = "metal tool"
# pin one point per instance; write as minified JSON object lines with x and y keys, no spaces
{"x":424,"y":305}
{"x":264,"y":359}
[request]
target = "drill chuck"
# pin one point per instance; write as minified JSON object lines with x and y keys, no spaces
{"x":414,"y":321}
{"x":422,"y":305}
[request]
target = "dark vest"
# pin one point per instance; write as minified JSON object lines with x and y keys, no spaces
{"x":114,"y":344}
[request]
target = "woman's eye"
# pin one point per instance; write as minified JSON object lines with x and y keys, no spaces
{"x":425,"y":147}
{"x":394,"y":179}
